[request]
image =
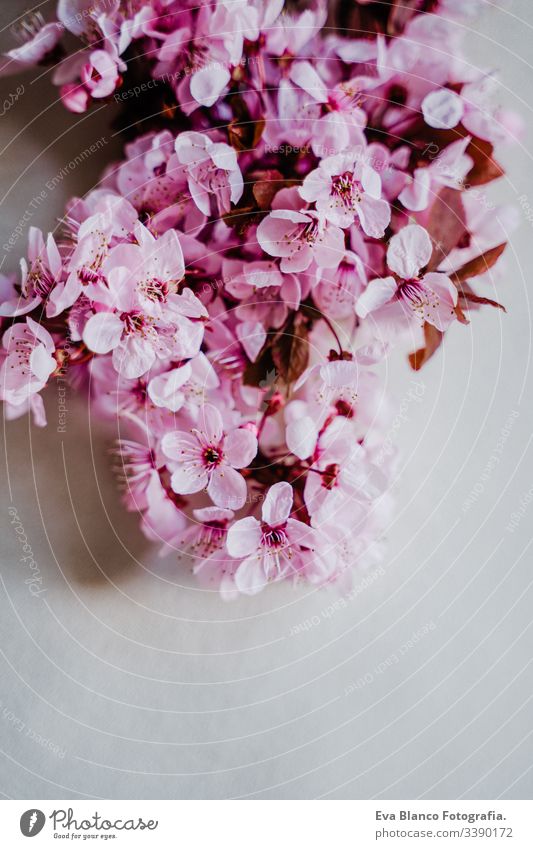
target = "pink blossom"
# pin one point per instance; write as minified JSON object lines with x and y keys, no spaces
{"x":207,"y":458}
{"x":301,"y":238}
{"x":39,"y":278}
{"x":343,"y":189}
{"x":29,"y":361}
{"x":269,"y":550}
{"x":40,"y":39}
{"x":212,"y":169}
{"x":140,"y":317}
{"x":430,"y":297}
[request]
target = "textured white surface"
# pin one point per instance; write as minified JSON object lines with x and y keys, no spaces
{"x":147,"y":687}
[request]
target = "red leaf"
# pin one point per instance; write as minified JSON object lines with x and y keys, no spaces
{"x":433,"y":339}
{"x":478,"y":265}
{"x":478,"y":299}
{"x":266,"y":184}
{"x":485,"y":168}
{"x":290,"y":352}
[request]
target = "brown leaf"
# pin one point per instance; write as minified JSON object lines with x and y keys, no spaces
{"x":478,"y":265}
{"x":266,"y":184}
{"x":471,"y":297}
{"x":290,"y":352}
{"x":461,"y":317}
{"x":446,"y":225}
{"x":485,"y":168}
{"x":433,"y":339}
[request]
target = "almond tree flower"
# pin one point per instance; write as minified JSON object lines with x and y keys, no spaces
{"x":335,"y":293}
{"x":187,"y":383}
{"x":301,"y":238}
{"x":342,"y":127}
{"x":207,"y":458}
{"x":100,"y":75}
{"x":113,"y":219}
{"x":430,"y":297}
{"x":270,"y":550}
{"x":212,"y":169}
{"x":291,"y":118}
{"x":474,"y":107}
{"x":138,"y":339}
{"x":265,"y":295}
{"x":153,"y":180}
{"x":205,"y":541}
{"x":28,"y":364}
{"x":289,"y":33}
{"x":343,"y":482}
{"x":39,"y":278}
{"x":205,"y":538}
{"x":207,"y":48}
{"x":345,"y":189}
{"x":138,"y":314}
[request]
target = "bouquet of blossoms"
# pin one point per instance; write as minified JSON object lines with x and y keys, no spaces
{"x":304,"y":196}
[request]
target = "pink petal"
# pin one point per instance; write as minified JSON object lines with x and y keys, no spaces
{"x":210,"y":424}
{"x":252,"y":336}
{"x":250,"y":577}
{"x":378,"y":292}
{"x":208,"y":83}
{"x":316,"y":185}
{"x":227,"y":488}
{"x":304,"y":75}
{"x":244,"y":537}
{"x":274,"y":230}
{"x":103,"y":332}
{"x":42,"y":363}
{"x":299,"y":260}
{"x":301,"y":437}
{"x":133,"y":357}
{"x":179,"y":445}
{"x":442,"y":300}
{"x":442,"y":109}
{"x":240,"y":447}
{"x":415,"y":195}
{"x":329,"y":247}
{"x":277,"y":504}
{"x":374,"y":216}
{"x":300,"y":534}
{"x":164,"y":390}
{"x":187,"y":479}
{"x":409,"y":251}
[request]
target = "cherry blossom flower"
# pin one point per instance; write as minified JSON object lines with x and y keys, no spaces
{"x":28,"y":364}
{"x":208,"y":457}
{"x":430,"y":297}
{"x":212,"y":169}
{"x":343,"y":189}
{"x":227,"y":290}
{"x":301,"y":238}
{"x":39,"y":278}
{"x":270,"y":550}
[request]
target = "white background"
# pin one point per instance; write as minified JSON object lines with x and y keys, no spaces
{"x":147,"y":687}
